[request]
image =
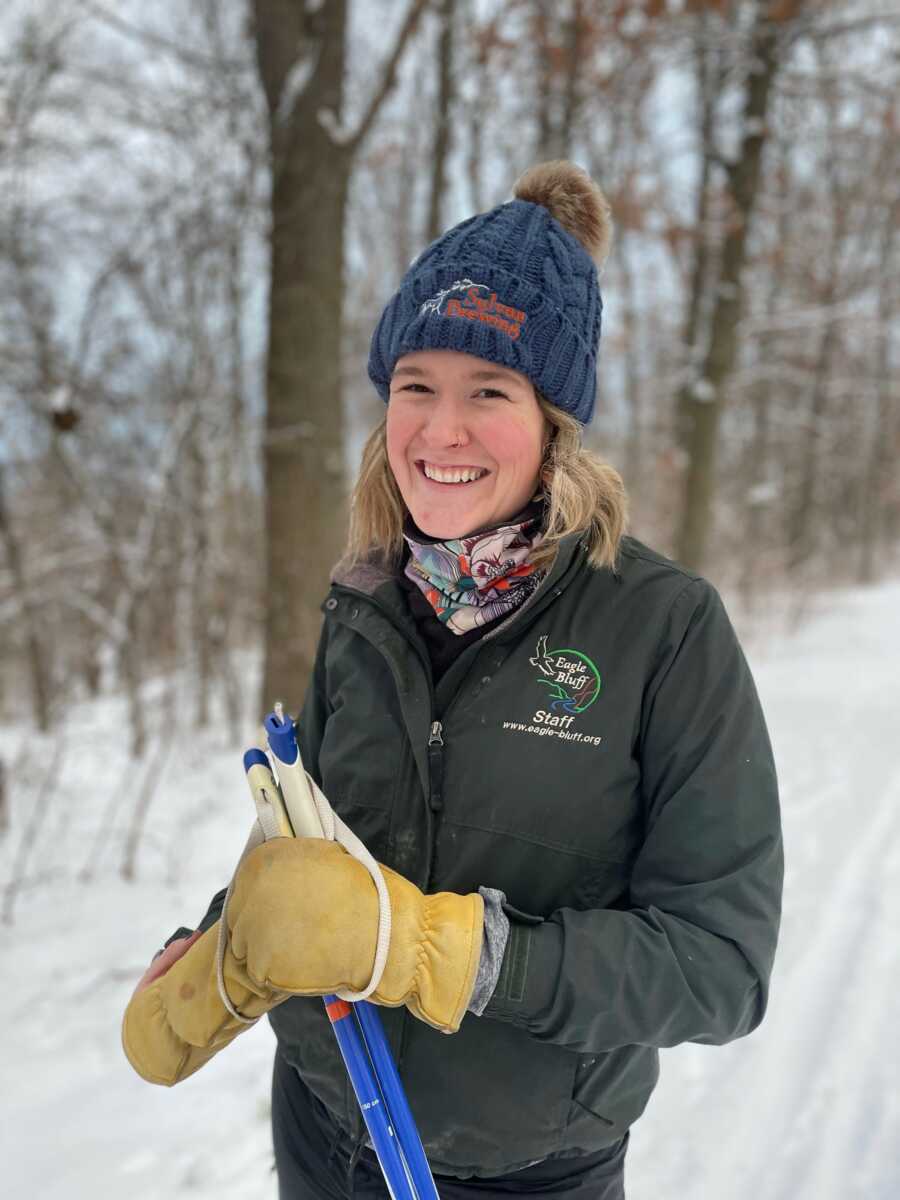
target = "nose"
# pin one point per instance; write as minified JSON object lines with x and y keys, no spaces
{"x":446,"y":424}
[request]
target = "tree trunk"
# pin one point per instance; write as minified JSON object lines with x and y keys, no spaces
{"x":806,"y":516}
{"x":876,"y":478}
{"x":445,"y":97}
{"x":571,"y":100}
{"x":197,"y":573}
{"x":479,"y":67}
{"x":631,"y":354}
{"x":305,"y":513}
{"x":758,"y":474}
{"x":4,"y":801}
{"x":710,"y":390}
{"x":34,"y":649}
{"x":130,"y":674}
{"x":545,"y":145}
{"x":709,"y":84}
{"x":557,"y":39}
{"x":301,"y":60}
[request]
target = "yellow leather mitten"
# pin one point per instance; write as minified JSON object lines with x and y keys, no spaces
{"x":179,"y":1022}
{"x":303,"y":919}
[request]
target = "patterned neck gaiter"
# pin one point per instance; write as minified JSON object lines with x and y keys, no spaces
{"x":469,"y":581}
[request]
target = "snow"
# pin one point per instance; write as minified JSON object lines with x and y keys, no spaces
{"x":806,"y":1108}
{"x":294,"y":86}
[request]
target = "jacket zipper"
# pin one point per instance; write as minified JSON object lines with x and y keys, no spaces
{"x":435,"y":793}
{"x":436,"y":805}
{"x":436,"y":767}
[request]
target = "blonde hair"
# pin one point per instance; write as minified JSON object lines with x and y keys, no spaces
{"x":584,"y":495}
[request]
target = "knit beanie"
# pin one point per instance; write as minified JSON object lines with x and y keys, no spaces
{"x":516,"y":286}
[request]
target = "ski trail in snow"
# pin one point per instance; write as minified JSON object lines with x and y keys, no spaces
{"x":828,"y":1063}
{"x":808,"y":1107}
{"x":805,"y":1109}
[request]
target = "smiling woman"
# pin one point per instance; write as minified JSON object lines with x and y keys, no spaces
{"x":579,"y":493}
{"x":545,"y":731}
{"x":465,"y":444}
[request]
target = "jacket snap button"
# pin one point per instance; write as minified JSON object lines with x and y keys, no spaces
{"x":486,"y":679}
{"x":354,"y":614}
{"x":331,"y":604}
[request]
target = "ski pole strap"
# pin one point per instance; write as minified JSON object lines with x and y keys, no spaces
{"x":333,"y":830}
{"x":256,"y":838}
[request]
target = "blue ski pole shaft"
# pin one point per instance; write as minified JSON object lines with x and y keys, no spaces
{"x":370,"y":1097}
{"x":286,"y":810}
{"x":398,"y":1106}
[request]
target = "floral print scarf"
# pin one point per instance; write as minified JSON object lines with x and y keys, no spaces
{"x":469,"y":581}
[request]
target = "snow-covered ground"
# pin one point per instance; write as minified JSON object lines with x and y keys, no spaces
{"x":808,"y":1108}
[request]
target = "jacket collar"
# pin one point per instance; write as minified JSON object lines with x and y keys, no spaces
{"x":365,"y":575}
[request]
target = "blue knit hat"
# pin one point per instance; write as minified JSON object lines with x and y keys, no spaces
{"x":516,"y":286}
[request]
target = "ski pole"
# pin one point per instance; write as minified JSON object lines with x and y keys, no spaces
{"x":301,"y":808}
{"x":287,"y":808}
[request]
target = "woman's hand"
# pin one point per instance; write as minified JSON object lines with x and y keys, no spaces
{"x":303,"y":920}
{"x":176,"y":1020}
{"x":165,"y":959}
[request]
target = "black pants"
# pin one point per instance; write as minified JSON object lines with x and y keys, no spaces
{"x":312,"y":1160}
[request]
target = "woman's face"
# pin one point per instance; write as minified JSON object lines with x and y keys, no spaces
{"x":465,"y":441}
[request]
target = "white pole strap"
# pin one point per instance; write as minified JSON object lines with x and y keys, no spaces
{"x":299,"y":799}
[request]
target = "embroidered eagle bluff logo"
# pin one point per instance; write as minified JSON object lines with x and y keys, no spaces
{"x":573,"y":684}
{"x":477,"y":303}
{"x":572,"y":678}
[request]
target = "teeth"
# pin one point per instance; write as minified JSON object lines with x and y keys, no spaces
{"x":453,"y":474}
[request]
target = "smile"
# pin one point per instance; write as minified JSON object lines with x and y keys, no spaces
{"x":453,"y":475}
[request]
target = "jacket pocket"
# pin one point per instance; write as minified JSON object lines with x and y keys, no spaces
{"x":610,"y":1092}
{"x":584,"y":1096}
{"x":490,"y":1098}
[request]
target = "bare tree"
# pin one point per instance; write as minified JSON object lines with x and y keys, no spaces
{"x":34,"y":649}
{"x":883,"y":440}
{"x":442,"y":117}
{"x":743,"y":172}
{"x":559,"y":41}
{"x":301,"y":57}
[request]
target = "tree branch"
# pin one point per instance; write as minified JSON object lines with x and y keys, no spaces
{"x":845,"y":28}
{"x":156,"y":40}
{"x":413,"y":16}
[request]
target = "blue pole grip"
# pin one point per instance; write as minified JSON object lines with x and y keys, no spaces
{"x":255,"y":758}
{"x":282,"y":737}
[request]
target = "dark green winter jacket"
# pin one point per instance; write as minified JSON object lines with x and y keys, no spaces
{"x":600,"y":756}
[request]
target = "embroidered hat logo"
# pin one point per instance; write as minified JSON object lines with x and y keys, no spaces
{"x":478,"y":303}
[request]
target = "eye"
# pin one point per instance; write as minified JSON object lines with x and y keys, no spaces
{"x":419,"y":389}
{"x":492,"y":394}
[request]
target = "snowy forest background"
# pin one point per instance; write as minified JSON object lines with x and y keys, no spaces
{"x":204,"y":207}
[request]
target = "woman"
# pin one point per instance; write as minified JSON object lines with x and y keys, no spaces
{"x":545,"y":730}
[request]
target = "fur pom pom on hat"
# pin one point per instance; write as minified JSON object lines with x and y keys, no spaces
{"x":574,"y":200}
{"x":516,"y":286}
